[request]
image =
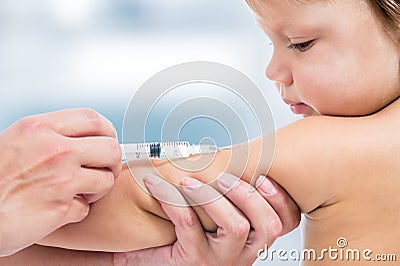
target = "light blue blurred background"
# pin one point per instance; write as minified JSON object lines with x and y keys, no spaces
{"x":57,"y":54}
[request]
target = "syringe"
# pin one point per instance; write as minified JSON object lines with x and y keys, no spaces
{"x":174,"y":149}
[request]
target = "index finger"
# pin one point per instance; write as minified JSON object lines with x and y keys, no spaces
{"x":283,"y":204}
{"x":233,"y":228}
{"x":265,"y":222}
{"x":188,"y":228}
{"x":83,"y":122}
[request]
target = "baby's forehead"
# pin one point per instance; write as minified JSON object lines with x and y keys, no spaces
{"x":276,"y":9}
{"x":261,"y":6}
{"x":303,"y":17}
{"x":272,"y":9}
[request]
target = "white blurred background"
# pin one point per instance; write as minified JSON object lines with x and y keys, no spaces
{"x":57,"y":54}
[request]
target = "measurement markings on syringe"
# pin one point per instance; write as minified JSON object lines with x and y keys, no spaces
{"x":178,"y":149}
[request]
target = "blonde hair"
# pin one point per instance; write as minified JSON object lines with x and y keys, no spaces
{"x":386,"y":11}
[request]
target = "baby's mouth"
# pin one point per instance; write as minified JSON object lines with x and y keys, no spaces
{"x":298,"y":108}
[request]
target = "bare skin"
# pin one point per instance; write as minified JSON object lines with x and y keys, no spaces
{"x":344,"y":191}
{"x":235,"y":243}
{"x":74,"y":149}
{"x":334,"y":58}
{"x":342,"y":172}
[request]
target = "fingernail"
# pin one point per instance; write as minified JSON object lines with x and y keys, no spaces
{"x":191,"y":184}
{"x":152,"y":180}
{"x":266,"y":185}
{"x":227,"y":181}
{"x":259,"y":180}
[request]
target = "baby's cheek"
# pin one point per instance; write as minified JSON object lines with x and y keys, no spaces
{"x":321,"y":99}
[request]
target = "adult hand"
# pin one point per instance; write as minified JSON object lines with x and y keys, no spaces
{"x":52,"y":166}
{"x":242,"y":230}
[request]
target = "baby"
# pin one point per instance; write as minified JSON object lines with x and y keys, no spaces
{"x":336,"y":63}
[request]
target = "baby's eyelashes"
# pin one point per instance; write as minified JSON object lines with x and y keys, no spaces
{"x":302,"y":47}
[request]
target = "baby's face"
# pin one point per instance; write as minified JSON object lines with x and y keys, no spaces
{"x":333,"y":57}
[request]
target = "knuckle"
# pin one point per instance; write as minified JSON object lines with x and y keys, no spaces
{"x":91,"y":114}
{"x":95,"y":125}
{"x":247,"y":197}
{"x":188,"y":219}
{"x":108,"y":182}
{"x":94,"y":118}
{"x":61,"y":209}
{"x":275,"y":227}
{"x":239,"y":228}
{"x":30,"y":123}
{"x":116,"y":151}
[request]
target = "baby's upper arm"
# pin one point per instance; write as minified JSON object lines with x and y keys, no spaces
{"x":317,"y":157}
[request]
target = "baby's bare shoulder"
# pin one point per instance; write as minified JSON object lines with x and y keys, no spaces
{"x":330,"y":154}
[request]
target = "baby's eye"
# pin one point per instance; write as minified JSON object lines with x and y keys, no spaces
{"x":302,"y":47}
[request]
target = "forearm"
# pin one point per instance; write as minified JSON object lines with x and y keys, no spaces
{"x":49,"y":256}
{"x":128,"y":218}
{"x":125,"y":219}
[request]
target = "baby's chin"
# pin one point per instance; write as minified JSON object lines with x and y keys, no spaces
{"x":311,"y":112}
